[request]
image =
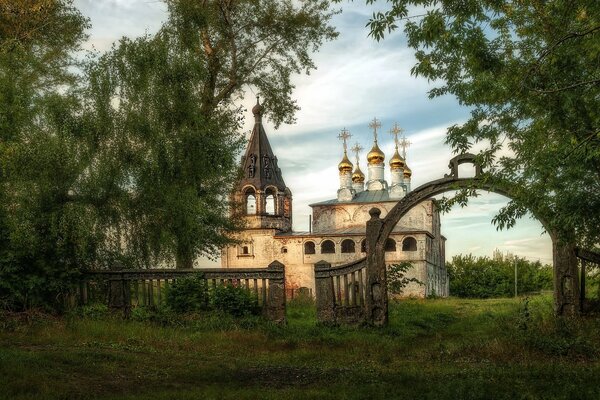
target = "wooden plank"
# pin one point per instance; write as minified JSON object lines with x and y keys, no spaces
{"x":346,"y":291}
{"x":353,"y":288}
{"x":361,"y":287}
{"x":264,"y":291}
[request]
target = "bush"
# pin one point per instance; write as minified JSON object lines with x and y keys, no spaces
{"x":234,"y":300}
{"x":396,"y":277}
{"x":482,"y":277}
{"x":188,"y":294}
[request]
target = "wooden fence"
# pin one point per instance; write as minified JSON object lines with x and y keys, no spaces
{"x":340,"y":292}
{"x":125,"y":289}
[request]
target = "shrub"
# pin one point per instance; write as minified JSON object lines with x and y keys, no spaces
{"x":483,"y":277}
{"x":396,"y":277}
{"x":234,"y":300}
{"x":188,"y":294}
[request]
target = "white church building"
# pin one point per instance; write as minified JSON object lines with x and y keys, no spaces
{"x":337,"y":231}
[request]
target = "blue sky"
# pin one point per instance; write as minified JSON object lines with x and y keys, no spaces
{"x":357,"y":79}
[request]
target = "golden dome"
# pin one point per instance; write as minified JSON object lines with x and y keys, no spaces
{"x":397,"y":162}
{"x":345,"y":165}
{"x":358,"y":176}
{"x":375,"y":156}
{"x":407,"y":172}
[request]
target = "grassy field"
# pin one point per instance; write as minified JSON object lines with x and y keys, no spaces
{"x":433,"y":349}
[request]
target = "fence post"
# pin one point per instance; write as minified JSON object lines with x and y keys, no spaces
{"x":275,"y":307}
{"x":324,"y":293}
{"x":376,"y":304}
{"x":119,"y":295}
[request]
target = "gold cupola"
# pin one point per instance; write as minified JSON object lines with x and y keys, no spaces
{"x":375,"y":156}
{"x":397,"y":162}
{"x":345,"y":165}
{"x":358,"y":176}
{"x":407,"y":172}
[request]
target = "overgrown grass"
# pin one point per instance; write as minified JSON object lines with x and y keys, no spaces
{"x":432,"y":349}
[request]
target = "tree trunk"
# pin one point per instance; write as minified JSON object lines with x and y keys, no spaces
{"x":184,"y":259}
{"x":566,"y":282}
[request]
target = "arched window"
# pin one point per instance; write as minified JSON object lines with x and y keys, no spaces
{"x":250,"y":201}
{"x":348,"y":246}
{"x":245,"y":250}
{"x":284,"y":249}
{"x":409,"y":244}
{"x":390,"y":244}
{"x":270,"y":201}
{"x":327,"y":247}
{"x":309,"y":248}
{"x":363,"y":246}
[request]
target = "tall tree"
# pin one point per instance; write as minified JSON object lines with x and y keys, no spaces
{"x":44,"y":238}
{"x":165,"y":111}
{"x":529,"y":72}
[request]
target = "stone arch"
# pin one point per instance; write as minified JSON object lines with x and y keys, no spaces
{"x":327,"y":247}
{"x":270,"y":201}
{"x":566,"y":287}
{"x":250,"y":200}
{"x":390,"y":245}
{"x":309,"y":247}
{"x":348,"y":246}
{"x":409,"y":243}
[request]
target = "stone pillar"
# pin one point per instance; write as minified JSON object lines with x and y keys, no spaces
{"x":275,"y":307}
{"x":119,"y":295}
{"x":324,"y":293}
{"x":376,"y":304}
{"x":566,"y":284}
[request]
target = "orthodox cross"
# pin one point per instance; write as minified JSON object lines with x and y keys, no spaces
{"x":344,"y":136}
{"x":357,"y":149}
{"x":404,"y":143}
{"x":375,"y":124}
{"x":395,"y":131}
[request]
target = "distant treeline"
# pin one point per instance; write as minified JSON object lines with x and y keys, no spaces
{"x":484,"y":277}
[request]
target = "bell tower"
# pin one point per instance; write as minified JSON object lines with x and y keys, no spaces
{"x":265,"y":200}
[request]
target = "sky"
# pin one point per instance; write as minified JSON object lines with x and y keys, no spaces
{"x":356,"y":80}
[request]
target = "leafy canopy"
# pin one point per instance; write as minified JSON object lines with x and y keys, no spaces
{"x":529,"y":72}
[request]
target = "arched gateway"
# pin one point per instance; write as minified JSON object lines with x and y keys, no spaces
{"x":566,"y":288}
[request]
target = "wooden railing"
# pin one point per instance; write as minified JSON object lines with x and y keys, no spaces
{"x":340,"y":292}
{"x":125,"y":289}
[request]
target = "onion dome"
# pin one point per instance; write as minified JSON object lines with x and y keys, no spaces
{"x":257,"y":109}
{"x":375,"y":156}
{"x":358,"y":176}
{"x":407,"y":172}
{"x":345,"y":165}
{"x":397,"y":162}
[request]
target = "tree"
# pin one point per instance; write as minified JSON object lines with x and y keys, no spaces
{"x":167,"y":124}
{"x":44,"y":239}
{"x":529,"y":72}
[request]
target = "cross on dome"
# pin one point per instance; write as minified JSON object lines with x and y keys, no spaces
{"x":404,"y":143}
{"x":395,"y":131}
{"x":357,"y":148}
{"x":375,"y":124}
{"x":344,"y":136}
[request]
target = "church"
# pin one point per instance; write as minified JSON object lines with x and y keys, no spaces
{"x":337,"y":229}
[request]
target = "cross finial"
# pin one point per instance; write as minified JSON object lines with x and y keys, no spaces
{"x":357,"y":149}
{"x":375,"y":124}
{"x":344,"y":136}
{"x":395,"y":131}
{"x":404,"y":143}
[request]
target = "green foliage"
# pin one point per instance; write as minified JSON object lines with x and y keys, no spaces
{"x":397,"y":279}
{"x":45,"y":239}
{"x":528,"y":71}
{"x":188,"y":294}
{"x":129,"y":158}
{"x":483,"y":277}
{"x":234,"y":300}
